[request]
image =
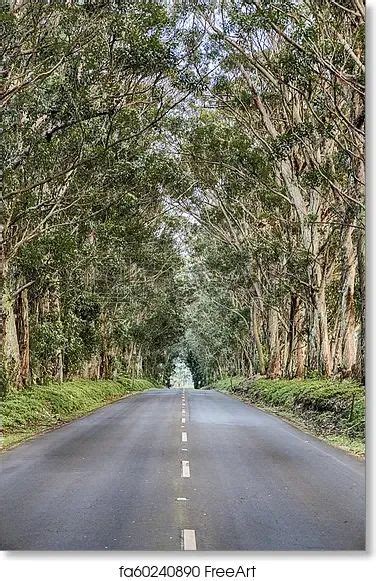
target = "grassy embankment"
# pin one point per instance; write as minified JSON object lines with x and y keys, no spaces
{"x":332,"y":410}
{"x":30,"y":411}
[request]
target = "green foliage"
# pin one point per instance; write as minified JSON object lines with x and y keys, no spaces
{"x":41,"y":407}
{"x":3,"y":382}
{"x":86,"y":186}
{"x":166,"y":177}
{"x":328,"y":406}
{"x":47,"y":338}
{"x":272,"y":163}
{"x":227,"y":383}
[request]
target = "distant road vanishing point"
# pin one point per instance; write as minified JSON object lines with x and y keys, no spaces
{"x":180,"y":469}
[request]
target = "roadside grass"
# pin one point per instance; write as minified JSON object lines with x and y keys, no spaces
{"x":28,"y":412}
{"x":331,"y":409}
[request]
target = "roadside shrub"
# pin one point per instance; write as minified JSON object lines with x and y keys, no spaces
{"x":43,"y":406}
{"x":330,"y":406}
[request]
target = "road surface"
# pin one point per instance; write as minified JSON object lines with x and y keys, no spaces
{"x":172,"y":469}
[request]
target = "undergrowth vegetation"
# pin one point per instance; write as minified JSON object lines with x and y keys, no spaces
{"x":328,"y":407}
{"x":31,"y":410}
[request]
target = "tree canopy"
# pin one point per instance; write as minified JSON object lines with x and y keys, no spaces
{"x":182,"y":180}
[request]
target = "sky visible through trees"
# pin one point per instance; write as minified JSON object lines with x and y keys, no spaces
{"x":183,"y":182}
{"x":181,"y":376}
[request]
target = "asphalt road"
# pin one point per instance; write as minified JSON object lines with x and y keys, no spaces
{"x":164,"y":471}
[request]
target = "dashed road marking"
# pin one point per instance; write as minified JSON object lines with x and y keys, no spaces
{"x":189,"y":540}
{"x":185,"y":471}
{"x":184,"y":437}
{"x":183,"y":420}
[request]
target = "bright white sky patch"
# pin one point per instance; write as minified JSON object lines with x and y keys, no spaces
{"x":181,"y":377}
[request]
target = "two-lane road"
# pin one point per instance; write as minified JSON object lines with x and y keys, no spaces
{"x":172,"y":468}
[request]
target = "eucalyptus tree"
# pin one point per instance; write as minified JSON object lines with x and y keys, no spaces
{"x":290,"y":80}
{"x":85,"y":89}
{"x":108,"y":165}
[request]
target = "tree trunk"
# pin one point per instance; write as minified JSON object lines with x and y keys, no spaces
{"x":300,"y":348}
{"x":249,"y":371}
{"x":348,"y":319}
{"x":274,"y":366}
{"x":23,"y":331}
{"x":296,"y":348}
{"x":139,"y":363}
{"x":3,"y":298}
{"x":291,"y":335}
{"x":256,"y":334}
{"x":10,"y":350}
{"x":335,"y":343}
{"x":361,"y":264}
{"x":58,"y":368}
{"x":325,"y":360}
